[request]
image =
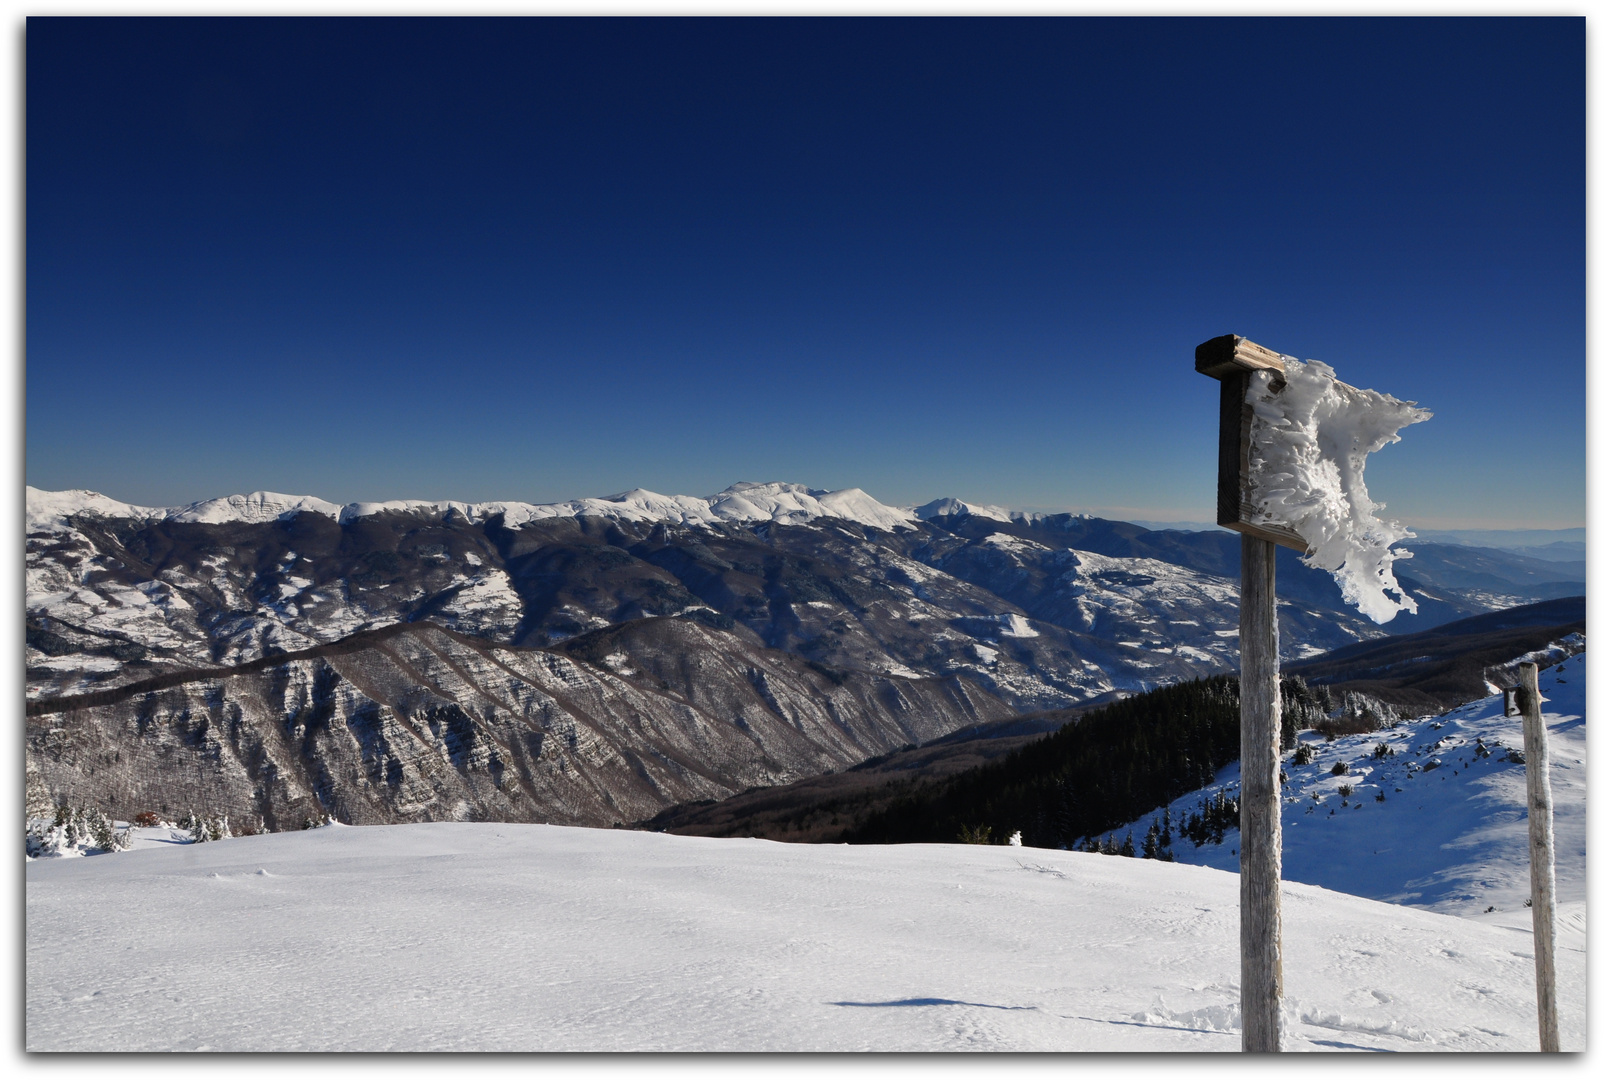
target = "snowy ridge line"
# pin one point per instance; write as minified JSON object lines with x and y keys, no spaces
{"x":783,"y":503}
{"x":168,"y":679}
{"x":1556,"y":652}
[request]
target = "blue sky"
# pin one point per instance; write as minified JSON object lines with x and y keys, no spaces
{"x":543,"y":259}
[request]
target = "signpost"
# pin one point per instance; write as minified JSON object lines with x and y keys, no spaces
{"x":1232,"y":359}
{"x":1361,"y":422}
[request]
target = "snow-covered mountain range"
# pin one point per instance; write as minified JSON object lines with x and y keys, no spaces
{"x":139,"y":620}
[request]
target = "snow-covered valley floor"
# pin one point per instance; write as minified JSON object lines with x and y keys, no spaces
{"x":528,"y":937}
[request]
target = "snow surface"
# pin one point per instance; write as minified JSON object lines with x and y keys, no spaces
{"x":1309,"y":445}
{"x":456,"y":936}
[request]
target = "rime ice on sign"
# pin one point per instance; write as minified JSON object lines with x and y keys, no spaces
{"x":1306,"y":472}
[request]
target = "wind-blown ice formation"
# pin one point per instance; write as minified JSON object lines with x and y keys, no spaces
{"x":1307,"y":473}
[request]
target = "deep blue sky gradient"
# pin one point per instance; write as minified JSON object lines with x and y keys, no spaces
{"x":548,"y":258}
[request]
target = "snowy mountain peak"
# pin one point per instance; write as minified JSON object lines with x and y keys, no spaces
{"x":950,"y":507}
{"x":255,"y":507}
{"x":48,"y":511}
{"x":770,"y":487}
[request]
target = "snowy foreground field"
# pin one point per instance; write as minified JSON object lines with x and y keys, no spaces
{"x":529,"y":937}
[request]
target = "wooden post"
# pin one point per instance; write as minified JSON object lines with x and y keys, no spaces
{"x":1260,"y":867}
{"x":1232,"y":359}
{"x":1540,"y":831}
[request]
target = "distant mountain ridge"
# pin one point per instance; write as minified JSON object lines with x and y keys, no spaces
{"x":744,"y":502}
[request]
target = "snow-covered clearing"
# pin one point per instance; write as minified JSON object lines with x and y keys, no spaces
{"x":527,"y":937}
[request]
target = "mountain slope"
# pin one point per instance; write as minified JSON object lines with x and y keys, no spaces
{"x":416,"y":723}
{"x":1448,"y":831}
{"x":1449,"y":665}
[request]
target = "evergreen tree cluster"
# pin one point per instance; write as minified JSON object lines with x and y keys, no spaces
{"x":84,"y":828}
{"x":1213,"y":817}
{"x":204,"y":828}
{"x":1091,"y":776}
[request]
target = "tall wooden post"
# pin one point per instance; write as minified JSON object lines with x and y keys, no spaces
{"x":1540,"y":831}
{"x":1232,"y":359}
{"x":1260,"y":866}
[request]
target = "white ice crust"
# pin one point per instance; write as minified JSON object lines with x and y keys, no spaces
{"x":1307,"y":473}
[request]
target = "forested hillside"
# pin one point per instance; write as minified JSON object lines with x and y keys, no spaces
{"x":1114,"y":765}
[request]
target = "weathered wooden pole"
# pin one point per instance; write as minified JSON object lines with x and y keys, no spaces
{"x":1232,"y":359}
{"x":1540,"y":831}
{"x":1260,"y":867}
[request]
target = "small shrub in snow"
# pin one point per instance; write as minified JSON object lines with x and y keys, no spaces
{"x":1339,"y":769}
{"x":1304,"y":754}
{"x":967,"y":834}
{"x":1345,"y":790}
{"x":1016,"y":839}
{"x":1382,"y":751}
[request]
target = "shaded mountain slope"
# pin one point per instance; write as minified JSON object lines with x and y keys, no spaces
{"x":419,"y":723}
{"x":1448,"y":665}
